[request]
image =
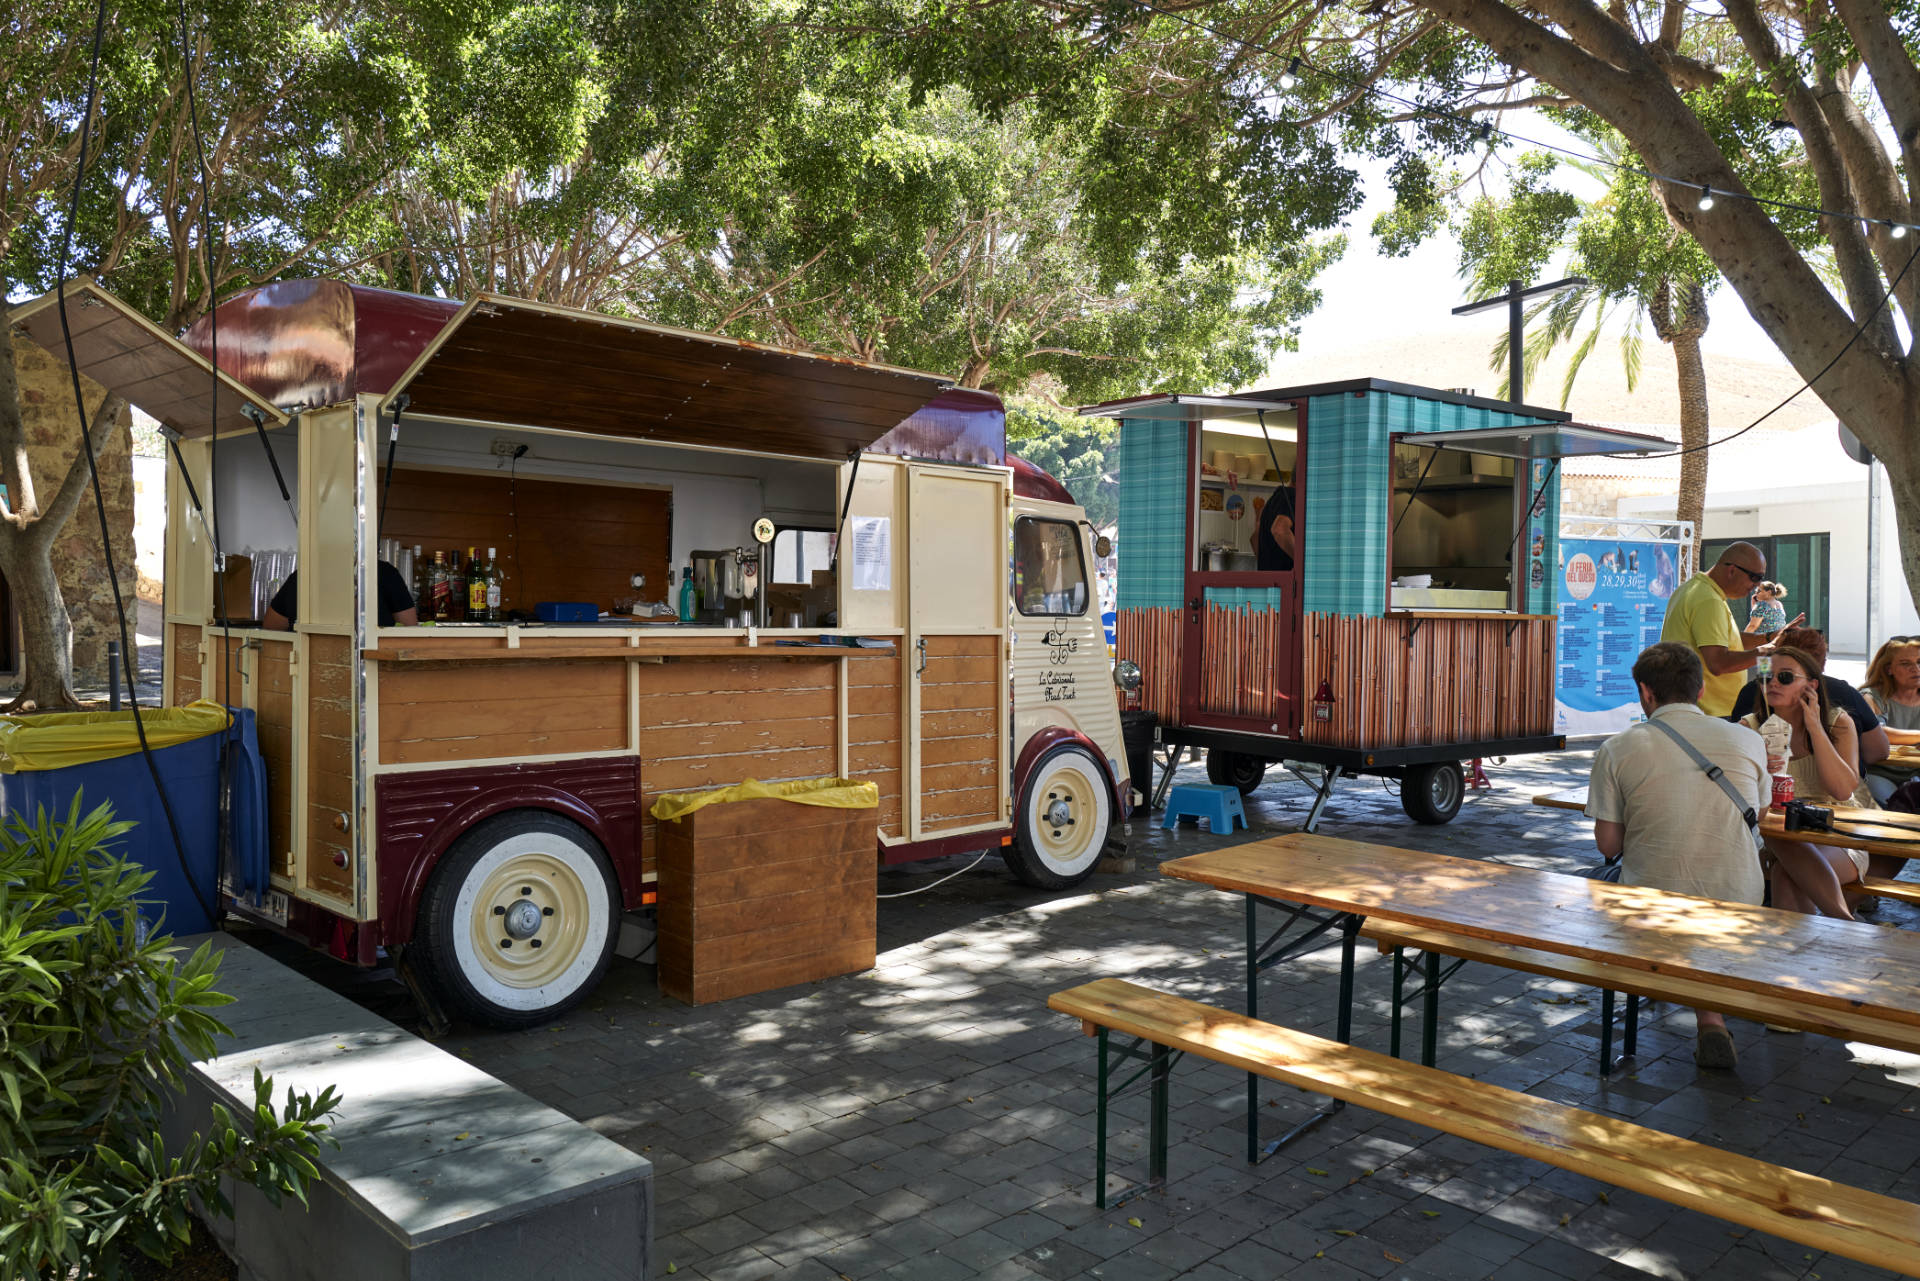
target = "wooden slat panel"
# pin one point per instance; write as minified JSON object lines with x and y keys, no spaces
{"x":186,"y":665}
{"x":1454,"y":680}
{"x":329,"y":763}
{"x":273,"y":720}
{"x":464,"y":712}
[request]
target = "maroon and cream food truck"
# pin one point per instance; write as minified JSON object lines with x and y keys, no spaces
{"x":886,"y":597}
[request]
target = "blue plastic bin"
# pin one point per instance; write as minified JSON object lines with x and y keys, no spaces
{"x":190,"y":771}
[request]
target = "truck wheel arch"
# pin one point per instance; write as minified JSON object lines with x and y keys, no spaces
{"x":398,"y":918}
{"x":1052,"y":736}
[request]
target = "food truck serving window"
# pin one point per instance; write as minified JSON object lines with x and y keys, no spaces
{"x":1049,"y":576}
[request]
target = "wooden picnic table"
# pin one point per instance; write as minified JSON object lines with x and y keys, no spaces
{"x":1875,"y":831}
{"x":1813,"y":961}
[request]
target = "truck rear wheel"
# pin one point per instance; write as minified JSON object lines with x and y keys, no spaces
{"x":1066,"y":809}
{"x":1431,"y":793}
{"x":519,"y":920}
{"x":1235,"y":769}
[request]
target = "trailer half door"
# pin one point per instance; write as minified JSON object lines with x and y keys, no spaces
{"x":956,"y":740}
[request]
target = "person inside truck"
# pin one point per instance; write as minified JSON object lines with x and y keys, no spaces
{"x":1274,"y":547}
{"x":396,"y":607}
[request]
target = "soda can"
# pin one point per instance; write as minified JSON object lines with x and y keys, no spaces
{"x":1782,"y":790}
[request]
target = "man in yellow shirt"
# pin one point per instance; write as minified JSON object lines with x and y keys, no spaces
{"x":1697,"y":616}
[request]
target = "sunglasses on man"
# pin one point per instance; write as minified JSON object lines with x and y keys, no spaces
{"x":1758,"y":576}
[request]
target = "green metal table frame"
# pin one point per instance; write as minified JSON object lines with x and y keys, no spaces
{"x":1436,"y":968}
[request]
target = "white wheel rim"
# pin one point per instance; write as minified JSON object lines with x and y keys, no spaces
{"x":531,"y":921}
{"x":1068,"y":810}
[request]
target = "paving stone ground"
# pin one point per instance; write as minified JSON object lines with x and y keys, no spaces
{"x":932,"y":1119}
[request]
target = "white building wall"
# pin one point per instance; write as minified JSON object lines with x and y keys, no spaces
{"x":1837,"y":509}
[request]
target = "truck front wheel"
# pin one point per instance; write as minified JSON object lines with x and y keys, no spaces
{"x":519,"y":920}
{"x":1065,"y":810}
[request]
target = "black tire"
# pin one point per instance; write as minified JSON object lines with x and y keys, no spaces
{"x":475,"y":894}
{"x":1432,"y":793}
{"x":1235,"y":769}
{"x":1065,"y":816}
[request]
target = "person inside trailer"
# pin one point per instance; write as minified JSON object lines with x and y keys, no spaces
{"x":396,"y":605}
{"x":1275,"y":546}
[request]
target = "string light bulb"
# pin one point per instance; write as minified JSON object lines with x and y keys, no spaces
{"x":1706,"y":199}
{"x":1899,"y":231}
{"x":1290,"y":78}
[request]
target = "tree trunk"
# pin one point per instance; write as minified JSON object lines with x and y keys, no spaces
{"x":46,"y":633}
{"x":1691,"y":502}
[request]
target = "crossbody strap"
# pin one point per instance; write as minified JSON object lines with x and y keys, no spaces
{"x":1714,"y":772}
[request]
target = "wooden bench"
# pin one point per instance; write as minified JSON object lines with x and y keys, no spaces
{"x":1811,"y":1211}
{"x":441,"y":1170}
{"x":1637,"y":983}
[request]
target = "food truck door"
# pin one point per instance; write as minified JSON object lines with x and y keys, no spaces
{"x":955,"y":773}
{"x":1239,"y":649}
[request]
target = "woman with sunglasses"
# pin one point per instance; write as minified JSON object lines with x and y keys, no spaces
{"x":1892,"y":689}
{"x":1824,"y":762}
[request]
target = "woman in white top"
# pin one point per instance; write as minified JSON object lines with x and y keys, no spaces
{"x":1824,"y":762}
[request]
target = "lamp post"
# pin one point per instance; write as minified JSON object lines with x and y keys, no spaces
{"x":1516,"y":325}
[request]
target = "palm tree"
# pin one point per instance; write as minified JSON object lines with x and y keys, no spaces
{"x":1639,"y":269}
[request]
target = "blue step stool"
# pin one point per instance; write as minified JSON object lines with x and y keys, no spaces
{"x":1218,"y":803}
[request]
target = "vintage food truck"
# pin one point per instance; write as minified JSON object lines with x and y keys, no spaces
{"x":889,"y":598}
{"x":1354,"y":577}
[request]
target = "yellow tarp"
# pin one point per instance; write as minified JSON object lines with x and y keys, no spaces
{"x":61,"y":739}
{"x":832,"y":793}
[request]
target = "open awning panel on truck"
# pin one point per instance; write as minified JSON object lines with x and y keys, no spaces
{"x":1182,"y":408}
{"x":1543,"y":441}
{"x":129,"y":355}
{"x":514,"y":363}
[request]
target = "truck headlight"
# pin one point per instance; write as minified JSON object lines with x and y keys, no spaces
{"x":1126,"y":674}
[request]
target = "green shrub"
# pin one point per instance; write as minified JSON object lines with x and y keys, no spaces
{"x":95,"y":1026}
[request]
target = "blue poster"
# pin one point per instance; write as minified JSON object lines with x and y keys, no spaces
{"x":1613,"y":599}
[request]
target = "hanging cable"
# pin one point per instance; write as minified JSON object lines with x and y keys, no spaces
{"x":93,"y":467}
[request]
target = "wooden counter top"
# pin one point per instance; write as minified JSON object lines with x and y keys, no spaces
{"x":430,"y":653}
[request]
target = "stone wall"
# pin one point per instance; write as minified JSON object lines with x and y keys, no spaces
{"x":53,"y":439}
{"x":1600,"y":495}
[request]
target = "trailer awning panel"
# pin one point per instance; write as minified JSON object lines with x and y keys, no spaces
{"x":513,"y":363}
{"x":1543,"y":440}
{"x":134,"y":358}
{"x":1182,"y":408}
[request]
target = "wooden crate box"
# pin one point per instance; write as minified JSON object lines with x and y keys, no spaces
{"x":762,"y":894}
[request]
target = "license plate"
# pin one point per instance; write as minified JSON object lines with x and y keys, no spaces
{"x":272,"y":907}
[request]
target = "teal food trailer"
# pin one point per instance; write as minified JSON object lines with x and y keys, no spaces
{"x":1356,"y":577}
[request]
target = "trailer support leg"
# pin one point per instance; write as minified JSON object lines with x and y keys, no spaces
{"x":1329,"y":775}
{"x":1166,"y":779}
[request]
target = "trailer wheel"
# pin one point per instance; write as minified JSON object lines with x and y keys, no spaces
{"x":1235,"y":769}
{"x":1066,"y":809}
{"x":519,"y":920}
{"x":1431,"y":793}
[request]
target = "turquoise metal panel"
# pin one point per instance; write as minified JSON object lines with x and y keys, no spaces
{"x":1260,"y":598}
{"x":1349,"y":454}
{"x":1542,"y":546}
{"x":1153,"y":514}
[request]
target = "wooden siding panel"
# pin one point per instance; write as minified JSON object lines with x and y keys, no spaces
{"x":330,"y":764}
{"x":186,"y":665}
{"x":474,"y":711}
{"x":962,"y":695}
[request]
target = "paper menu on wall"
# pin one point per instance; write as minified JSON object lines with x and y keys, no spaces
{"x":872,"y":554}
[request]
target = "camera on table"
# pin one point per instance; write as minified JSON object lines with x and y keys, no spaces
{"x":1802,"y":816}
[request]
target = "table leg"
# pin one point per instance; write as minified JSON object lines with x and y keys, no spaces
{"x":1277,"y":949}
{"x":1430,"y":1015}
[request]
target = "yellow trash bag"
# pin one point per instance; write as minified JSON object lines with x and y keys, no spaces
{"x":61,"y":739}
{"x":832,"y":793}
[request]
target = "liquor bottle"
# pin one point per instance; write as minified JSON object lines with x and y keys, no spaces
{"x":493,"y":585}
{"x":456,"y":588}
{"x":419,"y":571}
{"x":439,"y":587}
{"x":476,"y":588}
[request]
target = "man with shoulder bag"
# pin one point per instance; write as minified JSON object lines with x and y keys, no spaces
{"x":1676,"y":803}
